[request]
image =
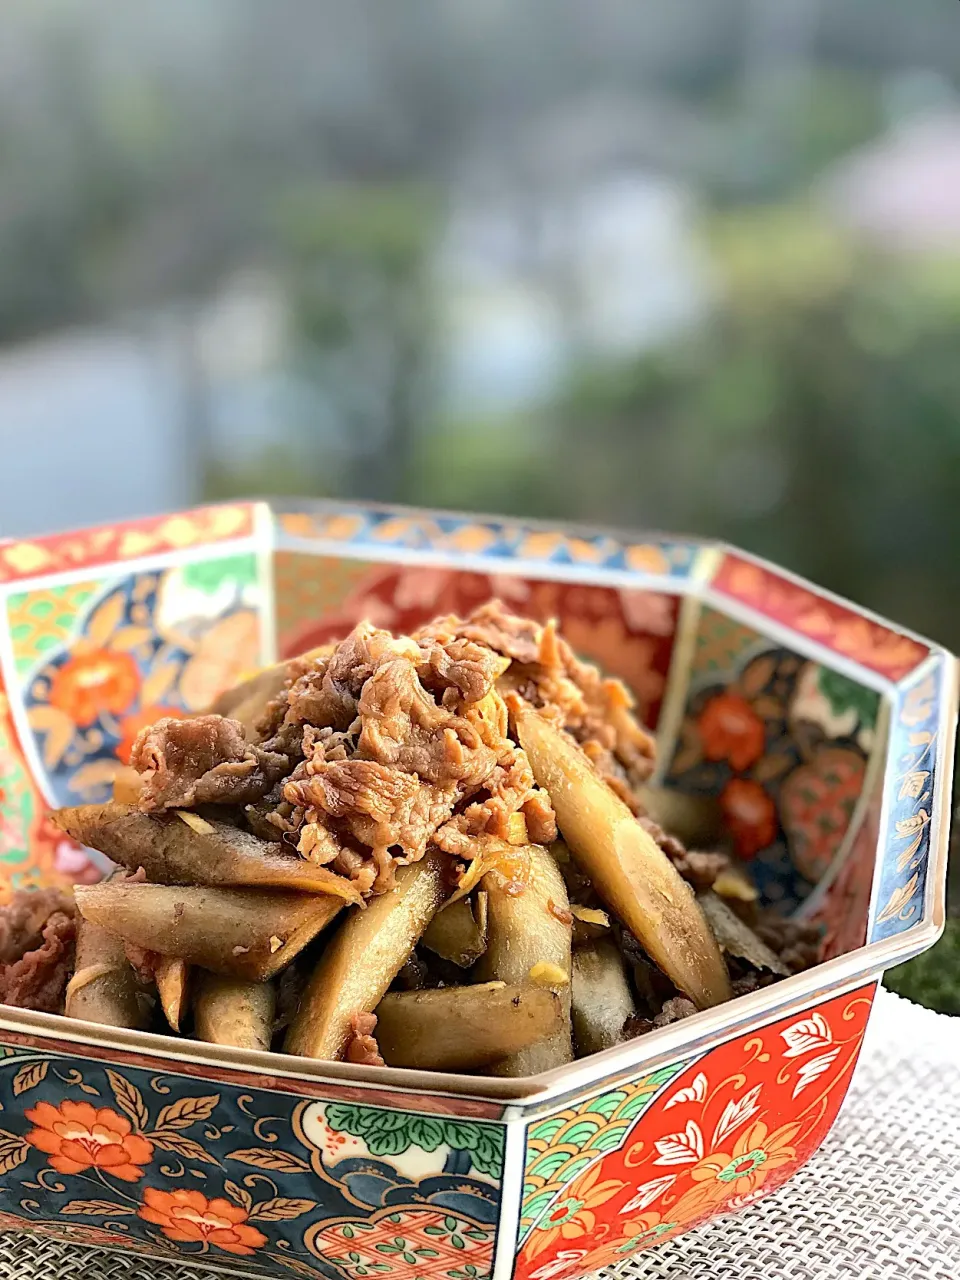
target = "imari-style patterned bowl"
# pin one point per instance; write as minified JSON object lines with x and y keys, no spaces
{"x":826,"y":733}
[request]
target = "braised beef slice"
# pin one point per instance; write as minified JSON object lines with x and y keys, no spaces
{"x":492,"y":626}
{"x":23,"y":918}
{"x":698,"y":869}
{"x":369,"y":752}
{"x":675,"y":1010}
{"x":362,"y":1047}
{"x":38,"y":930}
{"x":798,"y":943}
{"x":636,"y":1025}
{"x":206,"y":760}
{"x":458,"y":664}
{"x":393,"y":735}
{"x":546,"y":672}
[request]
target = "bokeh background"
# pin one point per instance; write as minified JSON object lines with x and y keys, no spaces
{"x":672,"y":264}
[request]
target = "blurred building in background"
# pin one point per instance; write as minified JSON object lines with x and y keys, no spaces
{"x":704,"y":259}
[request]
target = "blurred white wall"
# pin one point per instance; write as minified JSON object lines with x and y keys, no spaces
{"x":90,"y":431}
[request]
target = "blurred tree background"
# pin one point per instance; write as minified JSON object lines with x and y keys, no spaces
{"x":703,"y":258}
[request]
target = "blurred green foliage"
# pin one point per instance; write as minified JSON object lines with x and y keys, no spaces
{"x":933,"y":979}
{"x":355,"y":259}
{"x":813,"y":418}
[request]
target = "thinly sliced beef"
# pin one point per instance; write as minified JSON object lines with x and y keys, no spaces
{"x":546,"y":672}
{"x":362,"y":1047}
{"x":403,"y":726}
{"x":698,"y":869}
{"x":23,"y":918}
{"x":392,"y":736}
{"x":368,"y":750}
{"x":206,"y":760}
{"x":491,"y":625}
{"x":798,"y":943}
{"x":38,"y":930}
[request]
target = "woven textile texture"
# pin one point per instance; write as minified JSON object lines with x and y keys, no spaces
{"x":879,"y":1201}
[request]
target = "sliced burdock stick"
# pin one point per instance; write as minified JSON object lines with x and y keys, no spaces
{"x":528,"y":943}
{"x":602,"y":999}
{"x":246,"y":933}
{"x":458,"y":932}
{"x":464,"y":1028}
{"x":736,"y":938}
{"x":104,"y":987}
{"x":364,"y":956}
{"x":629,"y":870}
{"x":172,"y":975}
{"x":231,"y":1011}
{"x":181,"y":847}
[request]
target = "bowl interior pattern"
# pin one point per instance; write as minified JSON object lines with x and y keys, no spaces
{"x":820,"y":732}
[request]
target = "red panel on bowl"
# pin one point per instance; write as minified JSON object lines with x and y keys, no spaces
{"x":126,"y":541}
{"x":734,"y":1126}
{"x":841,"y":629}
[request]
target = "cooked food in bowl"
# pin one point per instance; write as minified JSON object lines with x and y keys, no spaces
{"x":428,"y":851}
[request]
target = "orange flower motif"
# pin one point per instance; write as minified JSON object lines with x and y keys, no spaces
{"x":573,"y":1216}
{"x":225,"y":655}
{"x":635,"y":1235}
{"x":731,"y":730}
{"x":723,"y":1175}
{"x":78,"y":1136}
{"x":189,"y":1216}
{"x":131,"y":725}
{"x":92,"y":681}
{"x":750,"y":814}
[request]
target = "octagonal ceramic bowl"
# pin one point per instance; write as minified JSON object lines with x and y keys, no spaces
{"x":826,"y":733}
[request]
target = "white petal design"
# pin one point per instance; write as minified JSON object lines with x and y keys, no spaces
{"x":695,"y":1092}
{"x":647,"y":1192}
{"x":808,"y":1033}
{"x":735,"y":1113}
{"x":564,"y":1260}
{"x":681,"y":1148}
{"x":814,"y":1068}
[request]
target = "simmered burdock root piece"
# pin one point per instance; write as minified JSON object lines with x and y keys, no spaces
{"x":626,"y":865}
{"x":104,"y":987}
{"x":736,"y":938}
{"x":246,"y":933}
{"x":458,"y":932}
{"x":529,"y":928}
{"x":183,"y":848}
{"x":363,"y":958}
{"x":173,"y":987}
{"x":231,"y":1011}
{"x":602,"y":999}
{"x":465,"y":1028}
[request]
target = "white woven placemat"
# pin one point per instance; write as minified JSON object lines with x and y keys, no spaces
{"x":880,"y":1201}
